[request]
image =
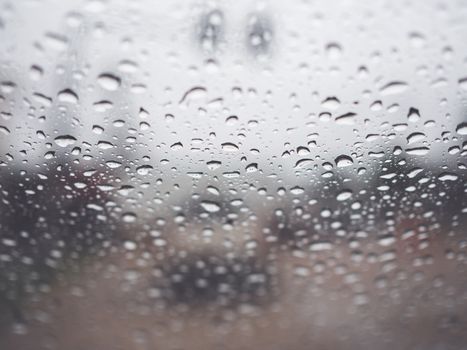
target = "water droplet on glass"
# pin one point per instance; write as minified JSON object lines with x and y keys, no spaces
{"x":68,"y":96}
{"x":65,"y":140}
{"x":112,"y":164}
{"x":392,"y":88}
{"x":4,"y":130}
{"x":448,"y":177}
{"x":229,"y":147}
{"x":344,"y":195}
{"x":144,"y":169}
{"x":415,"y":137}
{"x":210,"y":206}
{"x":129,"y":217}
{"x":193,"y":94}
{"x":418,"y":151}
{"x":462,"y":129}
{"x":343,"y":161}
{"x":109,"y":81}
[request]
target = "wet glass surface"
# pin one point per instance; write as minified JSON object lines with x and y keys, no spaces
{"x":233,"y":175}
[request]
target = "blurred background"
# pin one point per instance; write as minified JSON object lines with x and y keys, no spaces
{"x":214,"y":175}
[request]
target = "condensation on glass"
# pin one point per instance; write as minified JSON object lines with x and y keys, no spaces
{"x":233,"y":175}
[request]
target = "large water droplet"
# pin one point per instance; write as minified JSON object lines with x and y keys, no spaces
{"x":343,"y":161}
{"x":392,"y":88}
{"x":68,"y":96}
{"x":109,"y":81}
{"x":65,"y":140}
{"x":462,"y":128}
{"x":210,"y":206}
{"x":144,"y":169}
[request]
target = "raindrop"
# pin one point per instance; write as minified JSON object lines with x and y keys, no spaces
{"x":418,"y":151}
{"x":127,"y":66}
{"x":343,"y":161}
{"x":320,"y":246}
{"x":97,"y":129}
{"x":260,"y":34}
{"x":331,"y":103}
{"x":109,"y":81}
{"x":104,"y":145}
{"x":210,"y":31}
{"x":176,"y":146}
{"x":448,"y":177}
{"x":68,"y":96}
{"x":463,"y":83}
{"x":462,"y":128}
{"x":144,"y":169}
{"x":129,"y":245}
{"x":210,"y":206}
{"x":213,"y":164}
{"x":344,"y":195}
{"x":333,"y":51}
{"x":297,"y":190}
{"x":193,"y":94}
{"x":392,"y":88}
{"x":387,"y":240}
{"x":129,"y":217}
{"x":417,"y":39}
{"x":4,"y":130}
{"x":36,"y":72}
{"x":112,"y":164}
{"x":252,"y":167}
{"x":303,"y":163}
{"x":414,"y":115}
{"x":232,"y":120}
{"x":65,"y":140}
{"x":415,"y":137}
{"x":56,"y":41}
{"x":231,"y":174}
{"x":213,"y":190}
{"x":229,"y":147}
{"x":103,"y":106}
{"x":346,"y":119}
